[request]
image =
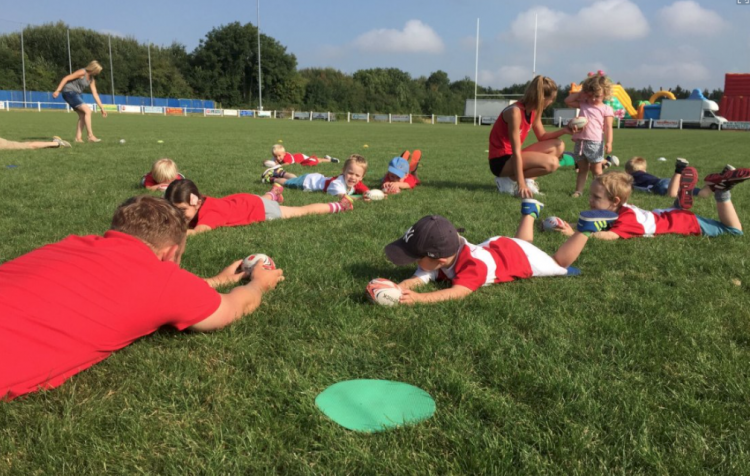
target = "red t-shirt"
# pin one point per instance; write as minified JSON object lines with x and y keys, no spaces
{"x":410,"y":180}
{"x":500,"y":135}
{"x":148,"y":180}
{"x":233,"y":210}
{"x":302,"y":159}
{"x":69,"y":305}
{"x":633,"y":221}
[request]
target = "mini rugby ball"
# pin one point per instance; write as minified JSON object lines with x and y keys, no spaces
{"x":269,"y":163}
{"x":579,"y":122}
{"x":551,"y":223}
{"x":614,"y":160}
{"x":251,"y":261}
{"x":383,"y":292}
{"x":375,"y":194}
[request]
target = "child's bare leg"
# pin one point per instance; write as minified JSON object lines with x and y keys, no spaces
{"x":344,"y":205}
{"x":583,"y":170}
{"x":674,"y":185}
{"x":596,"y":169}
{"x":728,"y":215}
{"x":705,"y":191}
{"x":282,"y":181}
{"x":569,"y":252}
{"x":525,"y":230}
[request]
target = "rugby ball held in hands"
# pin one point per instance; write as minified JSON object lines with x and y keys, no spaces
{"x":551,"y":223}
{"x":251,"y":261}
{"x":383,"y":292}
{"x":375,"y":194}
{"x":579,"y":122}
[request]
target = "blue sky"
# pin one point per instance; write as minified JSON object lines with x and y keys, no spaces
{"x":692,"y":43}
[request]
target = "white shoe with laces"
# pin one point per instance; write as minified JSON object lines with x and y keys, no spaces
{"x":506,"y":185}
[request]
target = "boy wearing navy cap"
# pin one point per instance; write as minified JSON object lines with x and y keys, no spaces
{"x":442,"y":254}
{"x":399,"y":176}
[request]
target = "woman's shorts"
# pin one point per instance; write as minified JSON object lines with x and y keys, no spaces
{"x":73,"y":99}
{"x":497,"y":164}
{"x":273,"y":209}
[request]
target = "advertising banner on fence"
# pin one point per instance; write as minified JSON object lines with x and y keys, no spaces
{"x":174,"y":111}
{"x":399,"y":118}
{"x":264,"y":114}
{"x":110,"y":107}
{"x":736,"y":126}
{"x":445,"y":119}
{"x":130,"y":109}
{"x":231,"y":112}
{"x":488,"y":120}
{"x":302,"y":115}
{"x":320,"y":116}
{"x":213,"y":112}
{"x":359,"y":116}
{"x":153,"y":110}
{"x":635,"y":123}
{"x":246,"y":113}
{"x":380,"y":117}
{"x":664,"y":124}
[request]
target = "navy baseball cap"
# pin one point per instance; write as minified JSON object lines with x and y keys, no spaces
{"x":398,"y":166}
{"x":433,"y":236}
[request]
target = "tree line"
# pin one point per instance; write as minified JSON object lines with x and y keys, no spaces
{"x":224,"y":68}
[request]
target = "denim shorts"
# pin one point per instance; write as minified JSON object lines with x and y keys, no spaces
{"x":589,"y":150}
{"x":296,"y":182}
{"x":711,"y":227}
{"x":73,"y":99}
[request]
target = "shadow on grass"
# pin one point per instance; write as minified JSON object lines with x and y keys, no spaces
{"x":453,"y":185}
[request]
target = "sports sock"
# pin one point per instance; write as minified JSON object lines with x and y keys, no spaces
{"x":722,"y":195}
{"x":335,"y":207}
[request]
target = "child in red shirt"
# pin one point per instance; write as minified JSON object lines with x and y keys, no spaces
{"x":206,"y":213}
{"x":281,"y":157}
{"x":400,"y":176}
{"x":163,"y":172}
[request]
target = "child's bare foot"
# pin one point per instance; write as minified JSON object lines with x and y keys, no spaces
{"x":94,"y":139}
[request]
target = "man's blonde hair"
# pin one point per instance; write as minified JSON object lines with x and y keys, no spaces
{"x":617,"y":185}
{"x":152,"y":220}
{"x":94,"y":67}
{"x":164,"y":171}
{"x":636,"y":164}
{"x":357,"y":160}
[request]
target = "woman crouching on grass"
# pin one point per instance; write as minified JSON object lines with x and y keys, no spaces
{"x":72,"y":86}
{"x":206,"y":213}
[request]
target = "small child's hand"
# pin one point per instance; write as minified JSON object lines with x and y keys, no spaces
{"x":565,"y":229}
{"x":408,"y":297}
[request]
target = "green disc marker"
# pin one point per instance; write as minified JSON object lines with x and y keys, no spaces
{"x":375,"y":405}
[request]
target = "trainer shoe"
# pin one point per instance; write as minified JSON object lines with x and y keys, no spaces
{"x":347,"y":203}
{"x":680,"y":164}
{"x":728,"y":168}
{"x":405,"y":155}
{"x":532,"y":207}
{"x":727,"y":180}
{"x":267,"y":175}
{"x":506,"y":185}
{"x":532,"y":185}
{"x":688,"y":180}
{"x":60,"y":142}
{"x":279,"y":172}
{"x":277,"y":192}
{"x":595,"y":220}
{"x":333,"y":160}
{"x":611,"y":161}
{"x":414,"y":162}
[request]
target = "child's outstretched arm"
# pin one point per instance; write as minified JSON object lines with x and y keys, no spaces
{"x":410,"y":297}
{"x":567,"y":230}
{"x":199,"y":229}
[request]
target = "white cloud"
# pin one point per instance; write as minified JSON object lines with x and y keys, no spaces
{"x":416,"y":37}
{"x":686,"y":17}
{"x":685,"y":73}
{"x":505,"y":76}
{"x":602,"y":21}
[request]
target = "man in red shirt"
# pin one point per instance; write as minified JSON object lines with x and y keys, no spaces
{"x":69,"y":305}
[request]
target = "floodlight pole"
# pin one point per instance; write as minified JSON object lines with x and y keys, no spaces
{"x":150,"y":85}
{"x":111,"y":69}
{"x":476,"y":75}
{"x":70,"y":60}
{"x":23,"y":68}
{"x":536,"y":22}
{"x":260,"y":91}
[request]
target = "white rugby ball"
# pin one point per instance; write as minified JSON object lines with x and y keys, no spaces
{"x":269,"y":163}
{"x":551,"y":223}
{"x":375,"y":194}
{"x":251,"y":261}
{"x":383,"y":292}
{"x":579,"y":122}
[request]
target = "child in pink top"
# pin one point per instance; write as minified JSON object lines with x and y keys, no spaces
{"x":596,"y":137}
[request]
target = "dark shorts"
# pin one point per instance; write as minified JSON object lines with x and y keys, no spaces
{"x":73,"y":99}
{"x":498,"y":163}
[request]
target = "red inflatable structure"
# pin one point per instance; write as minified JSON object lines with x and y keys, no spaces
{"x":735,"y":104}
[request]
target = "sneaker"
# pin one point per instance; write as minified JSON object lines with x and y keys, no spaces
{"x":277,"y":193}
{"x":613,"y":161}
{"x":405,"y":155}
{"x":347,"y":203}
{"x":680,"y":164}
{"x":728,"y":179}
{"x":414,"y":162}
{"x":333,"y":160}
{"x":532,"y":185}
{"x":728,"y":168}
{"x":532,"y":207}
{"x":279,"y":172}
{"x":595,"y":220}
{"x":60,"y":142}
{"x":506,"y":185}
{"x":267,"y":175}
{"x":688,"y":180}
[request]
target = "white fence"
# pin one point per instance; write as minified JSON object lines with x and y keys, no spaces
{"x":352,"y":116}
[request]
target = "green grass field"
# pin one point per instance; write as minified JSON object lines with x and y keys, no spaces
{"x":640,"y":366}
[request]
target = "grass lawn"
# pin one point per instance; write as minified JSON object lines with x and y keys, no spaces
{"x":639,"y":366}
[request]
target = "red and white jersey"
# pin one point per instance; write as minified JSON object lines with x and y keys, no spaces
{"x":411,"y":180}
{"x":337,"y":186}
{"x":301,"y":159}
{"x":497,"y":260}
{"x":633,"y":221}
